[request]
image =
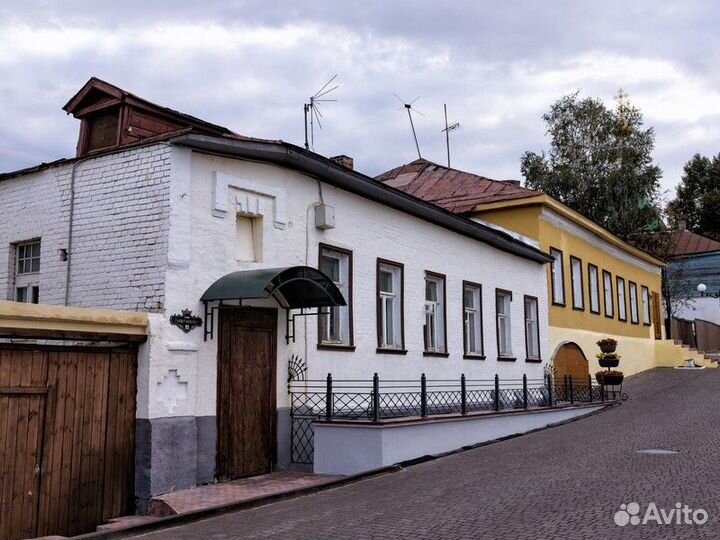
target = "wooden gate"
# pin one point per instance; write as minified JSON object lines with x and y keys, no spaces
{"x":246,"y":392}
{"x":570,"y":360}
{"x":67,"y":438}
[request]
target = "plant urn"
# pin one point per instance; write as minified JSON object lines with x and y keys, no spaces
{"x":609,"y":362}
{"x":608,"y":348}
{"x":609,"y":380}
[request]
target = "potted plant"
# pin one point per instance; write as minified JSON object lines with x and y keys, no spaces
{"x":607,"y":345}
{"x":609,"y":377}
{"x":608,"y":359}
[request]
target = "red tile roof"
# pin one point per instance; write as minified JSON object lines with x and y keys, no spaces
{"x":689,"y":243}
{"x":454,"y":190}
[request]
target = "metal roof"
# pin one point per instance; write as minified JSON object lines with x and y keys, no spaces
{"x":293,"y":287}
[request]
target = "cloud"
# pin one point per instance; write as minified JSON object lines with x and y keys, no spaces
{"x":251,"y":65}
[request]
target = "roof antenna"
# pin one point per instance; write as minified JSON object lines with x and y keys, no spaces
{"x":447,"y":130}
{"x":409,"y":108}
{"x":313,"y":111}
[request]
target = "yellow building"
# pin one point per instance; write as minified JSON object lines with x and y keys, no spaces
{"x":599,"y":286}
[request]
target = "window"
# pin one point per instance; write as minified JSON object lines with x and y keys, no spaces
{"x":335,"y":328}
{"x":646,"y":305}
{"x":557,"y":280}
{"x":390,"y":305}
{"x":248,"y":238}
{"x":633,"y":303}
{"x":608,"y":290}
{"x":504,"y":331}
{"x":622,"y":314}
{"x":28,"y":294}
{"x":434,"y":329}
{"x":594,"y":288}
{"x":532,"y":329}
{"x":28,"y":257}
{"x":576,"y":278}
{"x":472,"y":320}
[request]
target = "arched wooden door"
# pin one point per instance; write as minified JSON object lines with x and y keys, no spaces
{"x":570,"y":360}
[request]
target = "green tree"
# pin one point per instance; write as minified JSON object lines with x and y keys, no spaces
{"x":698,"y":197}
{"x":599,"y":163}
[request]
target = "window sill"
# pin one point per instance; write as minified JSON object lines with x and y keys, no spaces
{"x":559,"y":304}
{"x":534,"y":360}
{"x":436,"y":354}
{"x":578,"y":308}
{"x":594,"y":312}
{"x":473,"y":357}
{"x":647,"y":324}
{"x":338,"y":347}
{"x":381,"y":350}
{"x":506,"y":359}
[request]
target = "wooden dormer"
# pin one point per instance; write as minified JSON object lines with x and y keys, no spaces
{"x":111,"y":117}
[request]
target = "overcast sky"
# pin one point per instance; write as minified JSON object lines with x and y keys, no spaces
{"x":250,"y":66}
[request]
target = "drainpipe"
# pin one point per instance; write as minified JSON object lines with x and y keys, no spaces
{"x":70,"y":227}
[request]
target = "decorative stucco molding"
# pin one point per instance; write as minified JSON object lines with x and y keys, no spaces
{"x":250,"y":202}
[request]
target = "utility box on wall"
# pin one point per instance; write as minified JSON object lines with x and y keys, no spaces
{"x":324,"y":217}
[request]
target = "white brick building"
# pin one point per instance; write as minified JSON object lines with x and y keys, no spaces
{"x":157,"y":220}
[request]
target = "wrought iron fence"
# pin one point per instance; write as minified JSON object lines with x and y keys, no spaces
{"x":376,"y":400}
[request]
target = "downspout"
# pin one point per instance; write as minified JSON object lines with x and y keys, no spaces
{"x":70,"y":227}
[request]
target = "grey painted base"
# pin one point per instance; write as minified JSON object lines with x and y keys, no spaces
{"x":179,"y":452}
{"x":352,"y":448}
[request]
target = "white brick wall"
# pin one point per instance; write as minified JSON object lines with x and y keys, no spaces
{"x":203,"y":251}
{"x":120,"y":229}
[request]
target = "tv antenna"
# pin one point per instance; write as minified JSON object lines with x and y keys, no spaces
{"x":447,"y":130}
{"x":312,"y":110}
{"x":409,"y":108}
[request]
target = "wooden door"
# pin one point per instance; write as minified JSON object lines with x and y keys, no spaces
{"x":22,"y":418}
{"x":570,"y":360}
{"x":656,"y":315}
{"x":246,"y":392}
{"x":67,"y":439}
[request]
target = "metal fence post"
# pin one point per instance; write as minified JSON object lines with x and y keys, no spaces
{"x":550,"y":390}
{"x":590,"y":387}
{"x":525,"y":397}
{"x":463,"y":395}
{"x":572,"y":393}
{"x":602,"y":390}
{"x":423,"y":396}
{"x":376,"y":398}
{"x":497,"y":392}
{"x":328,"y":398}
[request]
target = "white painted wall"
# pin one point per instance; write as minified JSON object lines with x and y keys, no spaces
{"x":355,"y":448}
{"x":201,"y":240}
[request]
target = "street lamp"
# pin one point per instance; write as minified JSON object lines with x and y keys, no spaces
{"x":701,"y":288}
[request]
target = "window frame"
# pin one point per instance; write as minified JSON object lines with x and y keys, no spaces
{"x":563,"y":302}
{"x":610,"y":315}
{"x":572,"y":283}
{"x":442,"y":278}
{"x":618,"y":279}
{"x":498,"y":293}
{"x":647,"y":309}
{"x":529,"y":358}
{"x":590,"y":289}
{"x":350,"y":345}
{"x":378,"y":313}
{"x":470,"y":355}
{"x":25,"y":260}
{"x":632,"y":286}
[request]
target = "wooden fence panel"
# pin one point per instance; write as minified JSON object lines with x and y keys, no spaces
{"x":707,"y":336}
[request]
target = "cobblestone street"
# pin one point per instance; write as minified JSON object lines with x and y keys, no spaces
{"x":561,"y":483}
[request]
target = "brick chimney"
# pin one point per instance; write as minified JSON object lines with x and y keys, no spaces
{"x":344,"y":161}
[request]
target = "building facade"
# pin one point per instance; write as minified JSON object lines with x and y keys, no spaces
{"x":166,"y":214}
{"x":598,"y":285}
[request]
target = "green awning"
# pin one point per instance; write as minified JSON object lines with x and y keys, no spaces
{"x":293,"y":287}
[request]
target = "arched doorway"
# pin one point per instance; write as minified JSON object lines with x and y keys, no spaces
{"x":570,"y":360}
